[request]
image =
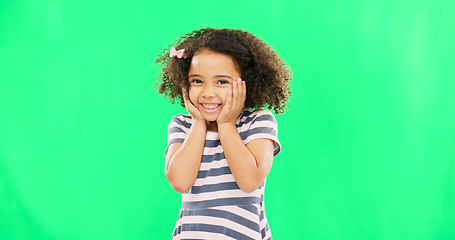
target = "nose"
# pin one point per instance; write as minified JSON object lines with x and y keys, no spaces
{"x":208,"y":91}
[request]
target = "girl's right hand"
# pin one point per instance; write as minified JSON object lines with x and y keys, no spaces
{"x":195,"y":113}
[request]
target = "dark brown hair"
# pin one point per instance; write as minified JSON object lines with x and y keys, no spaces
{"x":266,"y":75}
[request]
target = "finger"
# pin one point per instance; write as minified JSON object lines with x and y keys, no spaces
{"x":243,"y":92}
{"x":235,"y":90}
{"x":238,"y":96}
{"x":228,"y":103}
{"x":185,"y":94}
{"x":187,"y":101}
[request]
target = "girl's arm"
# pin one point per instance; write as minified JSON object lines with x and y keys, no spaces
{"x":184,"y":159}
{"x":249,"y":164}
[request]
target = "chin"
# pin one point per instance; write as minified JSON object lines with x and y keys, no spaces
{"x":210,"y":119}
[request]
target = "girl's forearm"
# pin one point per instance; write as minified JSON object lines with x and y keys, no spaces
{"x":183,"y":166}
{"x":241,"y":161}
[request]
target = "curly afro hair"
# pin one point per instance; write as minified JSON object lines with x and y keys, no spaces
{"x":266,"y":75}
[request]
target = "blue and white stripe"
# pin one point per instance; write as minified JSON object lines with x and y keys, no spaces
{"x":215,"y":207}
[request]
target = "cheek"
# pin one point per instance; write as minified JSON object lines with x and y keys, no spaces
{"x":224,"y":94}
{"x":192,"y":95}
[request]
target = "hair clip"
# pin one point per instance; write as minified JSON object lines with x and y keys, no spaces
{"x":180,"y":53}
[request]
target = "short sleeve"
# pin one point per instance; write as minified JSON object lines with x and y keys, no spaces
{"x":262,"y":124}
{"x":177,"y":130}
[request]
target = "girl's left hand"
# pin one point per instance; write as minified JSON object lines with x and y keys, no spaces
{"x":235,"y":102}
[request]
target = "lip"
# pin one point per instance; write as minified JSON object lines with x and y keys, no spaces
{"x":210,"y":110}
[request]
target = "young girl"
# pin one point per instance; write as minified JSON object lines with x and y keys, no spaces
{"x":219,"y":155}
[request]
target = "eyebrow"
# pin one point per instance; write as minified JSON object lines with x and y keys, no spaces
{"x":217,"y":76}
{"x":223,"y":76}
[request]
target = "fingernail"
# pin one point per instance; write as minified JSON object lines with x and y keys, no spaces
{"x":235,"y":83}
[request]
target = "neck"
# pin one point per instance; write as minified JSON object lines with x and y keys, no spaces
{"x":212,"y":126}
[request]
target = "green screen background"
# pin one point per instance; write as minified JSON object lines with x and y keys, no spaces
{"x":368,"y":142}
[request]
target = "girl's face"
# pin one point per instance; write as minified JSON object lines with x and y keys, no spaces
{"x":211,"y":76}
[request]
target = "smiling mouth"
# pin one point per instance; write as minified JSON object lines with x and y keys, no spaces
{"x":210,"y":107}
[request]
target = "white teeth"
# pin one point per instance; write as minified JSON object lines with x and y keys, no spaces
{"x":210,"y":106}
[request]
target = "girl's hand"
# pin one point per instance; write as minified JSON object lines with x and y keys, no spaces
{"x":190,"y":106}
{"x":235,"y":103}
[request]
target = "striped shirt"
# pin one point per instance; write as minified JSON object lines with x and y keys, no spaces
{"x":215,"y":207}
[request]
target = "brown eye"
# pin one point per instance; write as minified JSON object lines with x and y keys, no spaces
{"x":196,"y":81}
{"x":223,"y":82}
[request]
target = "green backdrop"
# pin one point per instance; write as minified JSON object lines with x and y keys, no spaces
{"x":368,"y":142}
